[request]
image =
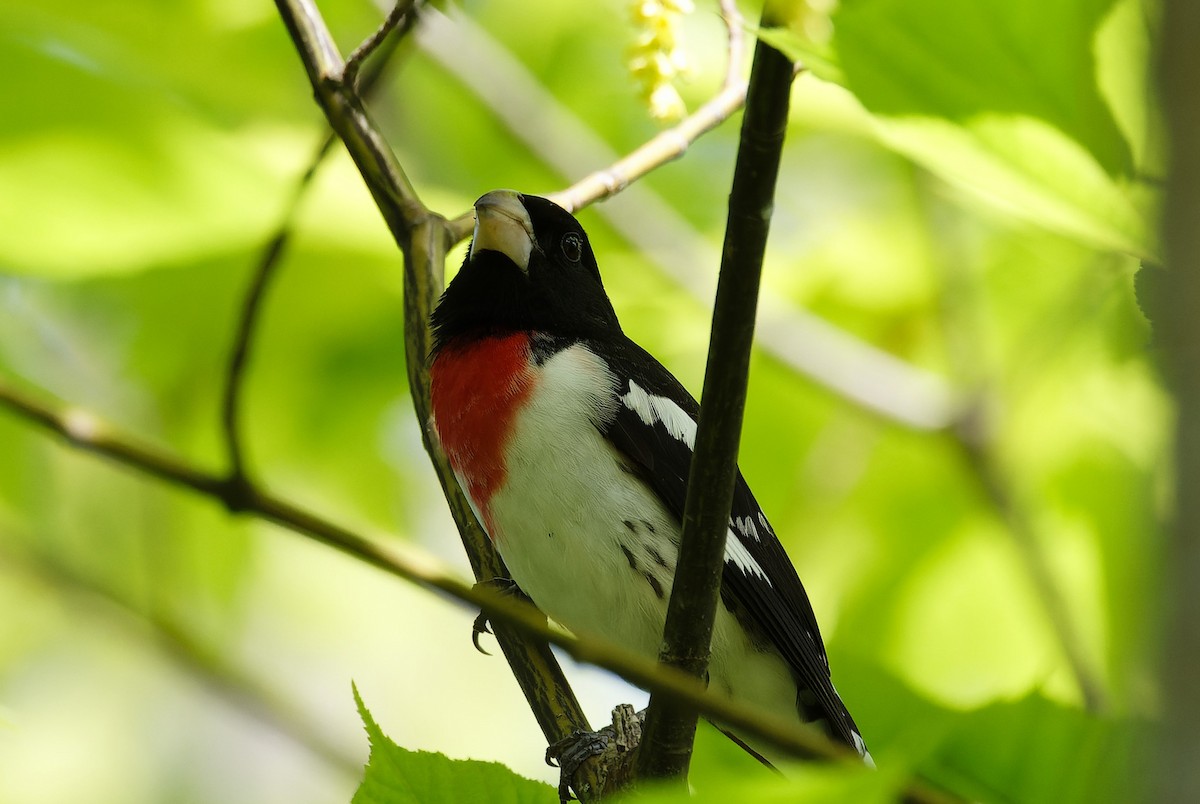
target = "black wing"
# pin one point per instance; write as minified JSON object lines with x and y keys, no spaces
{"x":774,"y":599}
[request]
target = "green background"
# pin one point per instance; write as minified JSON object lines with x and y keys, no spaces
{"x":966,"y":187}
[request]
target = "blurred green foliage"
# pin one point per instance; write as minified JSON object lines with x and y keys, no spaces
{"x":966,"y":186}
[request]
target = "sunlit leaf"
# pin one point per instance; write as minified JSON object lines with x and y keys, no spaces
{"x":395,"y":775}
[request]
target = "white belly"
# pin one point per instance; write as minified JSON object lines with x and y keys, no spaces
{"x":592,"y":545}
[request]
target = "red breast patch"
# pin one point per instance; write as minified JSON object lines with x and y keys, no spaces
{"x":477,"y":389}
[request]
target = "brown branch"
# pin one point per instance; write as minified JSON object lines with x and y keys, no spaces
{"x":423,"y":239}
{"x":400,"y":11}
{"x":394,"y":194}
{"x":272,"y":253}
{"x":671,"y":727}
{"x":1179,"y":334}
{"x":84,"y":431}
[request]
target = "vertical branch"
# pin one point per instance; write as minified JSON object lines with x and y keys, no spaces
{"x":235,"y":371}
{"x":671,"y":727}
{"x":546,"y":689}
{"x":1178,"y":72}
{"x":424,"y":237}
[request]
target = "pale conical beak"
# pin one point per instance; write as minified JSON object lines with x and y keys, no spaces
{"x":502,"y":224}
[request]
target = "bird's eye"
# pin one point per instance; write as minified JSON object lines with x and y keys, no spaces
{"x":572,"y":247}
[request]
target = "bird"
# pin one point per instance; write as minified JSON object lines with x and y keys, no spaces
{"x":573,"y":444}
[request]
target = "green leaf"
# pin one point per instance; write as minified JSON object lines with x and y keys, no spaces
{"x":816,"y":57}
{"x":395,"y":775}
{"x":1029,"y":749}
{"x":802,"y":784}
{"x":1002,"y":98}
{"x":1034,"y":750}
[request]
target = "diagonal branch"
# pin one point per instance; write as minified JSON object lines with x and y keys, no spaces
{"x":401,"y":12}
{"x":864,"y":375}
{"x":423,"y":238}
{"x":84,"y":431}
{"x":394,"y":194}
{"x":272,"y":253}
{"x":671,"y":727}
{"x":468,"y":53}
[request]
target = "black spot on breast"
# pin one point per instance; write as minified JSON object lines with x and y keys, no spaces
{"x":654,"y":584}
{"x":632,"y":527}
{"x":629,"y":557}
{"x":649,"y":526}
{"x":657,"y":556}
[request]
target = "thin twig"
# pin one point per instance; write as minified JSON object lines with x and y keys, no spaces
{"x":394,"y":194}
{"x":423,"y":238}
{"x":269,"y":258}
{"x":833,"y":358}
{"x":354,"y":62}
{"x":252,"y":303}
{"x":664,"y":147}
{"x":735,"y":42}
{"x":1178,"y":332}
{"x":670,"y":728}
{"x":84,"y":431}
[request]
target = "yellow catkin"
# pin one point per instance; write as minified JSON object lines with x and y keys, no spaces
{"x":657,"y":57}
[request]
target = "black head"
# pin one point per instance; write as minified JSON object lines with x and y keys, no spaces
{"x":530,"y":267}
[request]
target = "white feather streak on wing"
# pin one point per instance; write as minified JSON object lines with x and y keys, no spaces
{"x":737,"y":554}
{"x":652,"y":409}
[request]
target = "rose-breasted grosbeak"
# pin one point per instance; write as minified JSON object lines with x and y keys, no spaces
{"x":573,"y":446}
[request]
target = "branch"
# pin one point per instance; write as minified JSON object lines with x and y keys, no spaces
{"x":394,"y":194}
{"x":400,"y":11}
{"x":672,"y":143}
{"x":866,"y":376}
{"x":423,"y":238}
{"x":271,"y":254}
{"x":84,"y":431}
{"x":248,"y":319}
{"x":664,"y":147}
{"x":671,"y":727}
{"x":1178,"y":70}
{"x":735,"y":36}
{"x":489,"y":71}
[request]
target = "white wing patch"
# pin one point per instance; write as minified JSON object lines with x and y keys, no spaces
{"x":745,"y":526}
{"x":861,"y":747}
{"x":651,"y":408}
{"x":739,"y":556}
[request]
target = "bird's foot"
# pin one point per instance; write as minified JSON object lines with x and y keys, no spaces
{"x":615,"y":746}
{"x":502,"y":586}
